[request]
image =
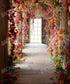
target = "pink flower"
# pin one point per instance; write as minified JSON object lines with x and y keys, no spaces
{"x":55,"y":39}
{"x":17,"y":7}
{"x":68,"y":52}
{"x":59,"y":73}
{"x":60,"y":1}
{"x":24,"y":59}
{"x":17,"y":75}
{"x":64,"y":5}
{"x":48,"y":48}
{"x":61,"y":82}
{"x":17,"y":45}
{"x":51,"y":78}
{"x":17,"y":21}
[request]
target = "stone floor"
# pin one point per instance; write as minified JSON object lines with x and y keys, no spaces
{"x":38,"y":68}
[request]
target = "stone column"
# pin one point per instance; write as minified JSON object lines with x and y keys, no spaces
{"x":3,"y":35}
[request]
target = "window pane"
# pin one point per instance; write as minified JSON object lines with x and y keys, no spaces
{"x":35,"y":21}
{"x":35,"y":29}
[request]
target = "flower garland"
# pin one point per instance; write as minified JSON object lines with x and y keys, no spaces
{"x":11,"y":32}
{"x":63,"y":75}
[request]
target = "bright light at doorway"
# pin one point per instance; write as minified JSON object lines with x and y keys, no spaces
{"x":36,"y":30}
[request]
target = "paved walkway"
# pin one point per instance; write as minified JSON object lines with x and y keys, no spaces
{"x":38,"y":67}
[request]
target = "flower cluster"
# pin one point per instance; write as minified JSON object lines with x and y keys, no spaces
{"x":11,"y":34}
{"x":10,"y":78}
{"x":53,"y":44}
{"x":63,"y":75}
{"x":67,"y":65}
{"x":16,"y":53}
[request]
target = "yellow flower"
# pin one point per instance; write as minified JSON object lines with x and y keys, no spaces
{"x":61,"y":37}
{"x":61,"y":31}
{"x":56,"y":43}
{"x":57,"y":62}
{"x":20,"y":5}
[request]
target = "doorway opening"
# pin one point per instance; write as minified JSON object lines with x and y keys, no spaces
{"x":36,"y":31}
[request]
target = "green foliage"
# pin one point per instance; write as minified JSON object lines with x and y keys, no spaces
{"x":18,"y":60}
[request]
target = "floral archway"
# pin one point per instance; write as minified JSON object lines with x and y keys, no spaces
{"x":53,"y":12}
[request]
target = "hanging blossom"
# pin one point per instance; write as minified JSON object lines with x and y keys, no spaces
{"x":64,"y":5}
{"x":17,"y":1}
{"x":60,"y":1}
{"x":11,"y":32}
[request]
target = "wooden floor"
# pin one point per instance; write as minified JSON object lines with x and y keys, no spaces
{"x":38,"y":67}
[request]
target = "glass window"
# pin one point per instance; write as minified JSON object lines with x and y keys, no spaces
{"x":35,"y":30}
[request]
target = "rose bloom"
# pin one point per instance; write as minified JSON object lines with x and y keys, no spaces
{"x":61,"y":82}
{"x":17,"y":75}
{"x":64,"y":5}
{"x":60,"y":1}
{"x":56,"y":65}
{"x":67,"y":65}
{"x":68,"y":52}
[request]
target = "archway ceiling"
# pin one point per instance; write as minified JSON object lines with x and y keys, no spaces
{"x":34,"y":2}
{"x":37,"y":6}
{"x":39,"y":2}
{"x":40,"y":6}
{"x":52,"y":3}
